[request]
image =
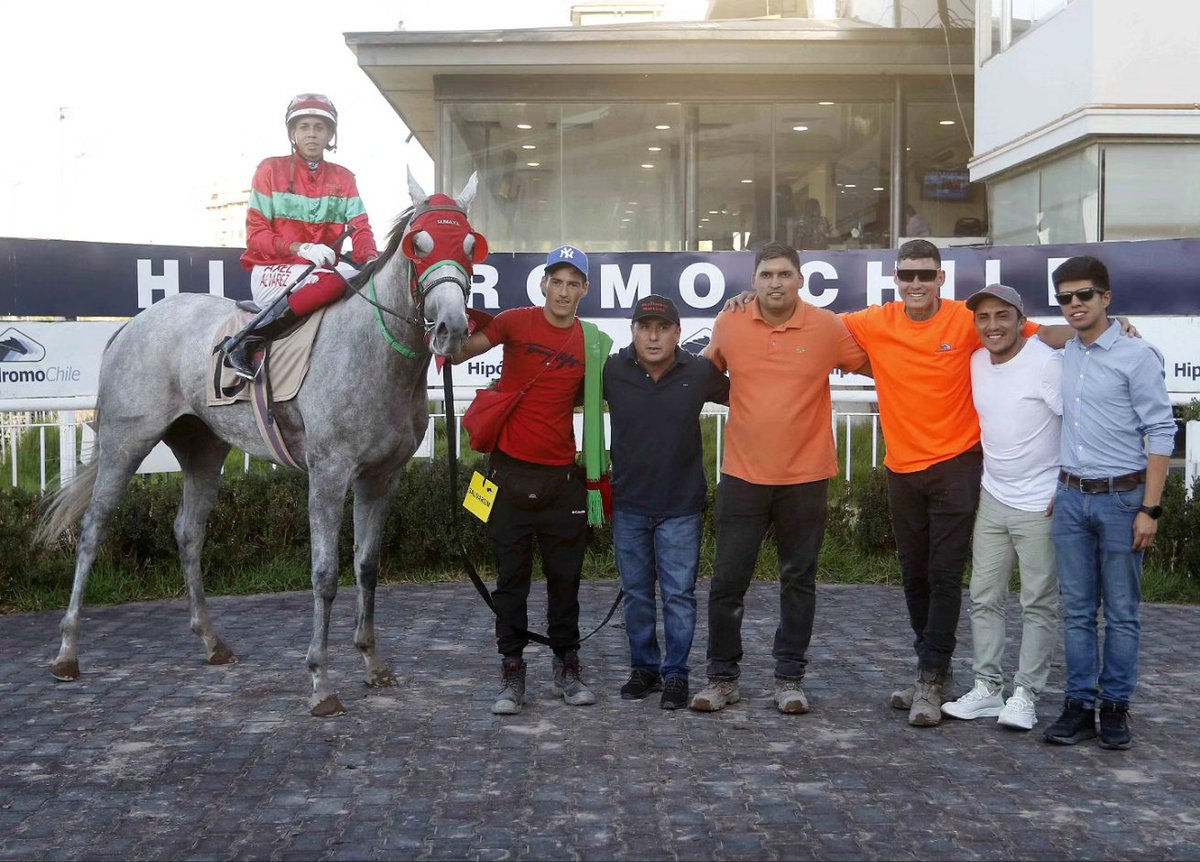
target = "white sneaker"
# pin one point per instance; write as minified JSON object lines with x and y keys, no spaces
{"x":979,"y":702}
{"x":1019,"y":711}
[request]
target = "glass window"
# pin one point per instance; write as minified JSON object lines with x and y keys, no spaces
{"x":1151,"y":191}
{"x":604,"y":177}
{"x":833,"y":174}
{"x":1069,"y":201}
{"x":940,"y":199}
{"x":1027,"y":14}
{"x":733,"y":176}
{"x":1014,"y":210}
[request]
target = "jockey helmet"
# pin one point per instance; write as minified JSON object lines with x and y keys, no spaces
{"x":312,"y":105}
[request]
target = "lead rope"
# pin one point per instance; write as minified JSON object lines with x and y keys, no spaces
{"x":480,"y":586}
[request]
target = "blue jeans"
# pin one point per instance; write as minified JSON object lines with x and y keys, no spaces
{"x":1093,"y":540}
{"x":666,"y":549}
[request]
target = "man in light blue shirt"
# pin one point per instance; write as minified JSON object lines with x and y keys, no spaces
{"x":1117,"y":437}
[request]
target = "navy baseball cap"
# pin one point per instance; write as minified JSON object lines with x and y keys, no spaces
{"x":653,"y":305}
{"x":569,"y":255}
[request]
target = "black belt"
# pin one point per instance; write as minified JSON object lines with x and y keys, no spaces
{"x":1103,"y":486}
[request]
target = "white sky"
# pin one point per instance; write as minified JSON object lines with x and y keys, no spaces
{"x":167,"y":102}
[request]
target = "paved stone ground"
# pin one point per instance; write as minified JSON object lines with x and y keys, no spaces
{"x":152,"y":755}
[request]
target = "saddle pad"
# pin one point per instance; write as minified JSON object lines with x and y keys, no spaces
{"x":290,"y":357}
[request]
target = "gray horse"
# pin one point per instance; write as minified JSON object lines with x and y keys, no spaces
{"x":356,"y":421}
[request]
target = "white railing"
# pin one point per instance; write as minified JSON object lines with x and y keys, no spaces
{"x":17,"y":426}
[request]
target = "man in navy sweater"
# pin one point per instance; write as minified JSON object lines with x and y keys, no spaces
{"x":655,"y":392}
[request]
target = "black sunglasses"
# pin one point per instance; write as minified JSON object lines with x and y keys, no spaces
{"x":1085,"y":294}
{"x":910,"y":274}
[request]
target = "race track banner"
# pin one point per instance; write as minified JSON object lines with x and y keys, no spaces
{"x":1157,"y":283}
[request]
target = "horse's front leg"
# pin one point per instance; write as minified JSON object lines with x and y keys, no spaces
{"x":327,"y":483}
{"x":372,"y":500}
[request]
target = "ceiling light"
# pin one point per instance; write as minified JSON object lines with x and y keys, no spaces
{"x":747,"y":181}
{"x":628,"y":212}
{"x":704,"y":219}
{"x":631,"y":203}
{"x":534,"y":164}
{"x":647,"y":166}
{"x":945,"y":122}
{"x":662,"y":127}
{"x":654,"y":149}
{"x":529,"y":146}
{"x":624,"y":219}
{"x":524,"y":126}
{"x":824,"y":103}
{"x":877,"y":189}
{"x":851,"y":185}
{"x":799,"y":128}
{"x":712,"y":212}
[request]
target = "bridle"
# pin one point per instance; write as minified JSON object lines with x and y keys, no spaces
{"x":435,"y":237}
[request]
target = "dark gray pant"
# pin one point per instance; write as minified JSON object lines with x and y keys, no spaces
{"x":744,"y":511}
{"x":933,"y":515}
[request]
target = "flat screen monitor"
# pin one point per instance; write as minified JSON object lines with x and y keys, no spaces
{"x":945,"y":186}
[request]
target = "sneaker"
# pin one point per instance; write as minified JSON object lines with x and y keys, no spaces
{"x":1018,"y":710}
{"x":982,"y":701}
{"x":1114,"y":725}
{"x":790,"y":697}
{"x":568,"y":681}
{"x":717,"y":695}
{"x":512,"y":687}
{"x":902,"y":698}
{"x":926,"y":710}
{"x":675,"y":693}
{"x":1077,"y":723}
{"x":641,"y":683}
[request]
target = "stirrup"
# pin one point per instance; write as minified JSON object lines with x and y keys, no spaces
{"x":240,"y":357}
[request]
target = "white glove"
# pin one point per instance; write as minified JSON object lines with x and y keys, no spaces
{"x":321,"y":255}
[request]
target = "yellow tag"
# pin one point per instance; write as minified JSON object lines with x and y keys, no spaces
{"x":481,"y":494}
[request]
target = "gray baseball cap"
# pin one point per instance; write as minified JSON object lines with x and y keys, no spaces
{"x":1002,"y":292}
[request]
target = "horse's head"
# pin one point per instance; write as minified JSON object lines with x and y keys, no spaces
{"x":443,"y":249}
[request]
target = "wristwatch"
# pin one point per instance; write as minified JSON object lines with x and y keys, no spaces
{"x":1154,"y":512}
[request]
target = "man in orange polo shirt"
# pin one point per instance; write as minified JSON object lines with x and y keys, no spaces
{"x":779,"y":457}
{"x":920,"y":350}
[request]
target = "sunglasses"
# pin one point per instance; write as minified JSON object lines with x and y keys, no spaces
{"x":911,"y":274}
{"x":1085,"y":294}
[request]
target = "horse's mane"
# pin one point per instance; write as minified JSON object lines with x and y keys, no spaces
{"x":393,"y":245}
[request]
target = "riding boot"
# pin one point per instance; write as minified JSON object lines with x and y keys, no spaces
{"x":240,"y":349}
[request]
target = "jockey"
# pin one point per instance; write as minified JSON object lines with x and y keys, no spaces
{"x":300,"y":208}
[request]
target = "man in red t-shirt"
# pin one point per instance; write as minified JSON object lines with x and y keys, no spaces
{"x":542,"y":491}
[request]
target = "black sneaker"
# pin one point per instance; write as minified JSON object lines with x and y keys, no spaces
{"x":1114,"y":725}
{"x":1077,"y":723}
{"x":641,"y":683}
{"x":675,"y":693}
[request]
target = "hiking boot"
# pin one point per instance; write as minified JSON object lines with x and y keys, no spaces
{"x":1077,"y":723}
{"x":926,"y":710}
{"x":568,"y":681}
{"x":641,"y":683}
{"x":675,"y":693}
{"x":902,"y":698}
{"x":790,"y":697}
{"x":1019,"y":711}
{"x":982,"y":701}
{"x":717,"y":695}
{"x":1114,"y":725}
{"x":512,"y":687}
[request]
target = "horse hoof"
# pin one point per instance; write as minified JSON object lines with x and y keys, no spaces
{"x":66,"y":670}
{"x":221,"y":654}
{"x":382,"y":678}
{"x":328,"y":708}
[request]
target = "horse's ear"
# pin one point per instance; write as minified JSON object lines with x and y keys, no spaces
{"x":468,"y":193}
{"x":480,"y":251}
{"x":414,"y":189}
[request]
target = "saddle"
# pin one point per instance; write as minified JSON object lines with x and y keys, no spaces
{"x":285,"y":363}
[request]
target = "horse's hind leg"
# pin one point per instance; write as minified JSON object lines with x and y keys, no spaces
{"x":372,"y":499}
{"x":201,"y":454}
{"x":109,"y":474}
{"x":327,"y":483}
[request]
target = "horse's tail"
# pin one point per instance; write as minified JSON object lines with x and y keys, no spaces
{"x":66,"y":505}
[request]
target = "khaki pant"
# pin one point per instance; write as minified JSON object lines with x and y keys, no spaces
{"x":1004,"y":536}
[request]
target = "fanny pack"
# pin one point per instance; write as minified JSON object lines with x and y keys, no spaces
{"x":528,"y":486}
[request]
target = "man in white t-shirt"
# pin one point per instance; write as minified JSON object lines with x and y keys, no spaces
{"x":1016,"y":383}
